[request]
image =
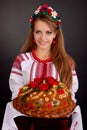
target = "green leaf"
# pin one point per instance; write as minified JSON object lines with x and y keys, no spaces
{"x":23,"y":100}
{"x":54,"y":102}
{"x":36,"y":103}
{"x":55,"y":106}
{"x":59,"y":87}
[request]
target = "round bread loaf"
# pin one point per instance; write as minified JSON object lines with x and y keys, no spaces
{"x":44,"y":98}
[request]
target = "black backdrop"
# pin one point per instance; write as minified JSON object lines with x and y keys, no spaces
{"x":14,"y":26}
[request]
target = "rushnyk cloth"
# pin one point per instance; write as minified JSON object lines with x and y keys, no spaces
{"x":11,"y":113}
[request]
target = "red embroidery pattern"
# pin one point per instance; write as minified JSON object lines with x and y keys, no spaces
{"x":39,"y":70}
{"x":16,"y":69}
{"x":16,"y":73}
{"x":32,"y":67}
{"x":39,"y":60}
{"x":18,"y":61}
{"x":76,"y":123}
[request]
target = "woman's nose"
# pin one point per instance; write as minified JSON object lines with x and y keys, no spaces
{"x":43,"y":36}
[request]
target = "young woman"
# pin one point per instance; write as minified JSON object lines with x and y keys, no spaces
{"x":43,"y":54}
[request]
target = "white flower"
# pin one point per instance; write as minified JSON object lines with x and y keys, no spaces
{"x":51,"y":8}
{"x":54,"y":14}
{"x":37,"y":10}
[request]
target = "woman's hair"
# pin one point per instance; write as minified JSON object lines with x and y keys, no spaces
{"x":62,"y":61}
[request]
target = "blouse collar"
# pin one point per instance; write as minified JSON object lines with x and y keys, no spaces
{"x":38,"y":59}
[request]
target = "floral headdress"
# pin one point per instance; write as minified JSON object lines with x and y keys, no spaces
{"x":46,"y":10}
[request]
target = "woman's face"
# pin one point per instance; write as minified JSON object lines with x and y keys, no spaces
{"x":43,"y":35}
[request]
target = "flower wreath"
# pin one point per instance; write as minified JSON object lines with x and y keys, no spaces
{"x":45,"y":10}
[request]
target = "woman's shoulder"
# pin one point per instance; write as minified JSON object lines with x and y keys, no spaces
{"x":22,"y":57}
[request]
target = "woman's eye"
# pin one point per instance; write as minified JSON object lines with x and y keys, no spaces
{"x":38,"y":32}
{"x":48,"y":33}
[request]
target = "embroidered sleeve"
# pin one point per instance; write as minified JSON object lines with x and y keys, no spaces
{"x":75,"y":83}
{"x":16,"y":79}
{"x":74,"y":78}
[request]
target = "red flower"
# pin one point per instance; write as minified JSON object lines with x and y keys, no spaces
{"x":64,"y":102}
{"x":58,"y":22}
{"x":49,"y":11}
{"x":20,"y":92}
{"x":52,"y":81}
{"x":43,"y":86}
{"x":49,"y":105}
{"x":43,"y":83}
{"x":33,"y":84}
{"x":31,"y":19}
{"x":38,"y":80}
{"x":45,"y":6}
{"x":31,"y":105}
{"x":55,"y":82}
{"x":61,"y":91}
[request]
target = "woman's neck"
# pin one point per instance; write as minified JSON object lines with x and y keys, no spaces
{"x":43,"y":54}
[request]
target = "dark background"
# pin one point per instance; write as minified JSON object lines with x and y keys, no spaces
{"x":14,"y":26}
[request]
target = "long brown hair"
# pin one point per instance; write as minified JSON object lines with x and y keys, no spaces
{"x":62,"y":61}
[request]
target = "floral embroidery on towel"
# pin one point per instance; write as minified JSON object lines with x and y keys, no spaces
{"x":75,"y":125}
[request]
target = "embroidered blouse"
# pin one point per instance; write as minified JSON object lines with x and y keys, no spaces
{"x":28,"y":66}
